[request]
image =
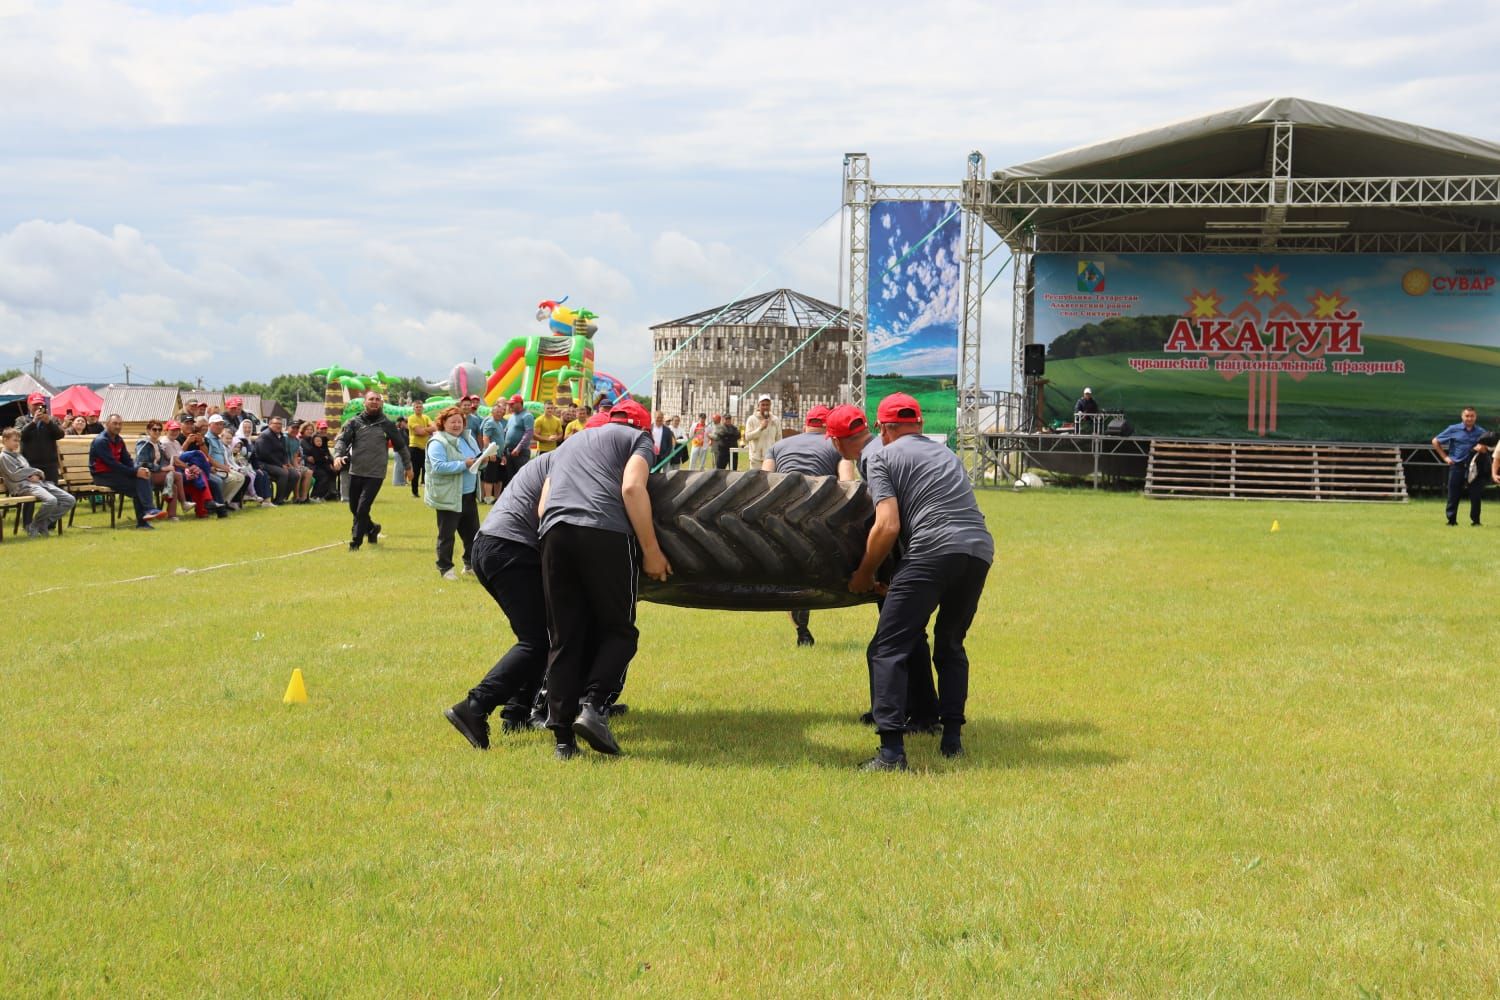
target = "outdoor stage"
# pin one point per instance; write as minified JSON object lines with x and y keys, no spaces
{"x":1126,"y":460}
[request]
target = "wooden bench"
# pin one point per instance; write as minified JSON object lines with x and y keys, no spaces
{"x":20,"y":504}
{"x":73,"y":475}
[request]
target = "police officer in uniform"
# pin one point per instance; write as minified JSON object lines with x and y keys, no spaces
{"x":812,"y":454}
{"x":848,"y":431}
{"x":924,"y":500}
{"x":597,"y":536}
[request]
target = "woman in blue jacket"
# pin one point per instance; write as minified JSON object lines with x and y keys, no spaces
{"x":452,"y":476}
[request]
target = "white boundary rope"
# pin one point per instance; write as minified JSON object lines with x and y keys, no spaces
{"x":185,"y":570}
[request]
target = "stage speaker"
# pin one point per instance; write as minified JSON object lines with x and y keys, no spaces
{"x":1119,"y":427}
{"x":1034,"y":360}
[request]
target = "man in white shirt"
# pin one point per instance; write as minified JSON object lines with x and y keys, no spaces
{"x":761,"y":431}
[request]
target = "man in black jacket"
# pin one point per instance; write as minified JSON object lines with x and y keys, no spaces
{"x":361,"y":446}
{"x":270,"y":458}
{"x":39,"y":438}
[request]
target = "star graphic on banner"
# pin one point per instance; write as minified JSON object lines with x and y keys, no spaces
{"x":1203,"y":305}
{"x":1267,"y":283}
{"x":1325,"y":304}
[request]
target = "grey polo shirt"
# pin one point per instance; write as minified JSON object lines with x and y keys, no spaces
{"x":513,"y":517}
{"x":586,"y":472}
{"x":810,"y":453}
{"x":939,"y":514}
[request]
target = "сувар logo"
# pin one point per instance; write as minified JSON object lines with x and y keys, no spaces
{"x":1462,"y":281}
{"x":1090,"y":276}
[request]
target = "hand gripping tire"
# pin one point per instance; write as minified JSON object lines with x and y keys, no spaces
{"x":758,"y":541}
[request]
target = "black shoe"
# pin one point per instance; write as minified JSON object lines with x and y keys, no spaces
{"x":618,"y":708}
{"x":1452,"y":523}
{"x":880,"y":763}
{"x":374,"y":534}
{"x":805,"y":638}
{"x":867,"y":719}
{"x":147,"y":525}
{"x":222,"y":512}
{"x":951,"y":750}
{"x":565,"y":751}
{"x":1475,"y":524}
{"x":593,"y":726}
{"x":354,"y":545}
{"x":474,"y":726}
{"x":924,"y":727}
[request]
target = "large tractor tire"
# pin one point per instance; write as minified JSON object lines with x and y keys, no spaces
{"x":758,"y":541}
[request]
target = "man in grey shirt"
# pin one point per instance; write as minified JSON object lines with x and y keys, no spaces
{"x":361,"y":446}
{"x":507,"y":563}
{"x":597,"y":536}
{"x":811,"y":454}
{"x":923,"y":498}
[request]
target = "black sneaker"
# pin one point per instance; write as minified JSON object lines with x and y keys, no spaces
{"x":805,"y":638}
{"x":867,"y":719}
{"x":474,"y":726}
{"x":565,"y":751}
{"x":951,"y":750}
{"x":593,"y":726}
{"x":354,"y":545}
{"x":144,"y":525}
{"x":1452,"y":522}
{"x":1475,"y":524}
{"x":880,"y":763}
{"x":374,"y":534}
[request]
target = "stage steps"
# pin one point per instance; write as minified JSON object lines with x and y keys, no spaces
{"x":1264,"y":470}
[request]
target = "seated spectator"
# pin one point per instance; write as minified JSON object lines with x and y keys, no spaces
{"x":240,"y":466}
{"x":198,"y":481}
{"x":24,"y":480}
{"x":93,"y":426}
{"x":149,"y":455}
{"x":303,"y":485}
{"x":271,"y":457}
{"x":172,"y":448}
{"x":110,"y":465}
{"x":231,"y":481}
{"x":319,"y":458}
{"x":235,"y":413}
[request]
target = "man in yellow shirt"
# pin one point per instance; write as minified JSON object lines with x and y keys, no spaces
{"x":420,"y":427}
{"x":580,"y":415}
{"x":549,"y":430}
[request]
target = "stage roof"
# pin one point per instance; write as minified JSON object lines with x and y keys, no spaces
{"x":1259,"y":177}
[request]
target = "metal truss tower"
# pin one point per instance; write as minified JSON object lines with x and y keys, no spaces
{"x":969,"y":390}
{"x":857,"y":217}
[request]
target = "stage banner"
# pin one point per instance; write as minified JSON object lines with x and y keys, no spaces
{"x":915,"y":298}
{"x":1335,"y":347}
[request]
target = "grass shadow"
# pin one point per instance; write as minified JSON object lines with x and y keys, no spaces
{"x":769,"y":738}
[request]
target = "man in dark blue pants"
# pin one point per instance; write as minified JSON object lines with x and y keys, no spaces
{"x":111,"y":464}
{"x":1456,"y":445}
{"x":924,"y":500}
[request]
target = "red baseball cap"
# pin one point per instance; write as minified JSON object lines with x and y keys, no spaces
{"x":817,"y":416}
{"x":173,"y":425}
{"x":899,"y":408}
{"x":632,"y":413}
{"x":845,"y":421}
{"x":514,"y":399}
{"x":35,"y":398}
{"x":234,"y":401}
{"x":322,"y":425}
{"x":597,"y":420}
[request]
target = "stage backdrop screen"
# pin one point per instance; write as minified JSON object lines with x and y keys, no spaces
{"x":915,"y":298}
{"x":1337,"y":347}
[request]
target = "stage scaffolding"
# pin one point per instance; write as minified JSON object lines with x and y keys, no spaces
{"x":1294,"y":179}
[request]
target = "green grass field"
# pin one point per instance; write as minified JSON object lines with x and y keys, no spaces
{"x":1205,"y":760}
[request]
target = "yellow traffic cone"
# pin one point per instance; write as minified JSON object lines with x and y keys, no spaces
{"x":1275,"y":525}
{"x":296,"y":690}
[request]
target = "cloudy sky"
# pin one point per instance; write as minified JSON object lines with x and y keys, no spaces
{"x":229,"y":191}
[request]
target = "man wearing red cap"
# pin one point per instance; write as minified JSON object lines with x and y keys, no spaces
{"x":923,"y":500}
{"x":40,"y":436}
{"x":849,"y":431}
{"x":597,"y":537}
{"x":519,"y":433}
{"x":811,"y":454}
{"x":234,"y":414}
